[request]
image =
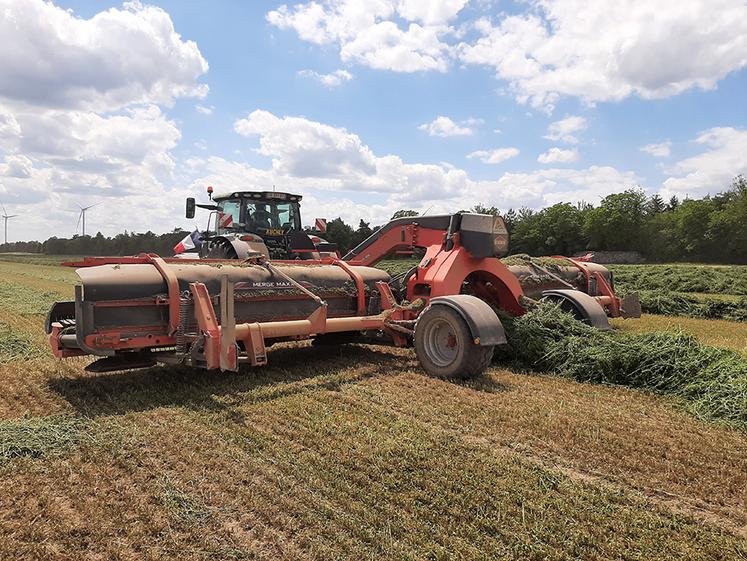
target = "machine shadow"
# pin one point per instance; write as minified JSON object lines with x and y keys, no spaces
{"x":119,"y":393}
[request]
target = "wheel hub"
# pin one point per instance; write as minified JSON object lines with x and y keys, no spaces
{"x":441,"y":342}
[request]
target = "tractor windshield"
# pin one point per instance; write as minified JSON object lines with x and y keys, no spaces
{"x":262,"y":216}
{"x":272,"y":215}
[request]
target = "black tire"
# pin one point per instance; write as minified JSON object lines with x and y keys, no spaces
{"x":222,"y":250}
{"x":566,"y":306}
{"x":444,"y":345}
{"x":399,"y":282}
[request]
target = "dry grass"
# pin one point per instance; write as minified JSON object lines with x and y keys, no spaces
{"x":717,"y":333}
{"x":352,"y":453}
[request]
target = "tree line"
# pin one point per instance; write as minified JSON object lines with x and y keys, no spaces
{"x":710,"y":230}
{"x":127,"y":243}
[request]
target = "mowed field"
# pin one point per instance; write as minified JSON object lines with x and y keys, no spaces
{"x":350,"y":453}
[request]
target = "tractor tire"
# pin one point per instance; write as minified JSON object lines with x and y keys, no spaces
{"x":222,"y":250}
{"x":445,"y":347}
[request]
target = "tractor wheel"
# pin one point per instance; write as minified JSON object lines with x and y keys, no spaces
{"x":444,"y":345}
{"x":222,"y":250}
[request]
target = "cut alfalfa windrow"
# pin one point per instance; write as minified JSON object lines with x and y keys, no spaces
{"x":15,"y":345}
{"x":39,"y":436}
{"x":710,"y":382}
{"x":697,"y":306}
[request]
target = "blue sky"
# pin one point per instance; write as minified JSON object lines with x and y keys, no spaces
{"x":427,"y":105}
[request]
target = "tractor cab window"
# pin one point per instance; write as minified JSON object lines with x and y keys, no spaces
{"x":261,"y":215}
{"x":229,"y":218}
{"x":285,"y":216}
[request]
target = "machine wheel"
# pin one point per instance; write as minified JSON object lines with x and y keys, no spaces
{"x":222,"y":250}
{"x":579,"y":304}
{"x":444,"y":345}
{"x":566,"y":306}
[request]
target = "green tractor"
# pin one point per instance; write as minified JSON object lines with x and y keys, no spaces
{"x":243,"y":224}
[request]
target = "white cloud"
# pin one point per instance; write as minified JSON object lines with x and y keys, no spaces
{"x":511,"y":190}
{"x":385,"y":46}
{"x":614,"y":50}
{"x":306,"y":148}
{"x":660,"y":150}
{"x":444,"y":127}
{"x":16,"y":166}
{"x":554,"y":185}
{"x":80,"y":117}
{"x":609,"y":50}
{"x":334,"y":164}
{"x":52,"y":58}
{"x":204,"y":109}
{"x":713,"y":169}
{"x":563,"y":130}
{"x":494,"y":156}
{"x":9,"y":127}
{"x":79,"y":153}
{"x":331,"y":80}
{"x":430,"y":12}
{"x":366,"y":32}
{"x":558,"y":156}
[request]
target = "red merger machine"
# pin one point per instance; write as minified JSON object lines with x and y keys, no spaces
{"x":134,"y":312}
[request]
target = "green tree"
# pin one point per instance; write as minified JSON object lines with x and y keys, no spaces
{"x":555,"y":230}
{"x":482,"y":209}
{"x":340,"y":233}
{"x":618,"y":223}
{"x":364,"y":231}
{"x":656,"y":204}
{"x":727,"y":224}
{"x":510,"y":217}
{"x":693,"y":229}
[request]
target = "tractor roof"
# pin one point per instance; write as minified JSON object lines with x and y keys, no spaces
{"x":259,"y":195}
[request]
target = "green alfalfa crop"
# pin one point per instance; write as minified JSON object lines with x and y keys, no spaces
{"x":39,"y":436}
{"x":723,"y":279}
{"x":15,"y":345}
{"x":711,"y":383}
{"x":700,"y":306}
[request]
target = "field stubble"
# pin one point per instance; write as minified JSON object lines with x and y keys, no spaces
{"x":351,"y":453}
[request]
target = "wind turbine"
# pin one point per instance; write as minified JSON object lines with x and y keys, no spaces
{"x":7,"y":217}
{"x":82,"y":216}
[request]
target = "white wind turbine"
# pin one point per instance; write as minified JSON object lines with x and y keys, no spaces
{"x":82,"y":216}
{"x":7,"y":217}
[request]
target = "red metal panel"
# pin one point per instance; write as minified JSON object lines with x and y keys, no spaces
{"x":359,"y":284}
{"x":208,"y":323}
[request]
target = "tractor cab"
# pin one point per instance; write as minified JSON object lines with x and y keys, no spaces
{"x":271,"y":216}
{"x":246,"y":222}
